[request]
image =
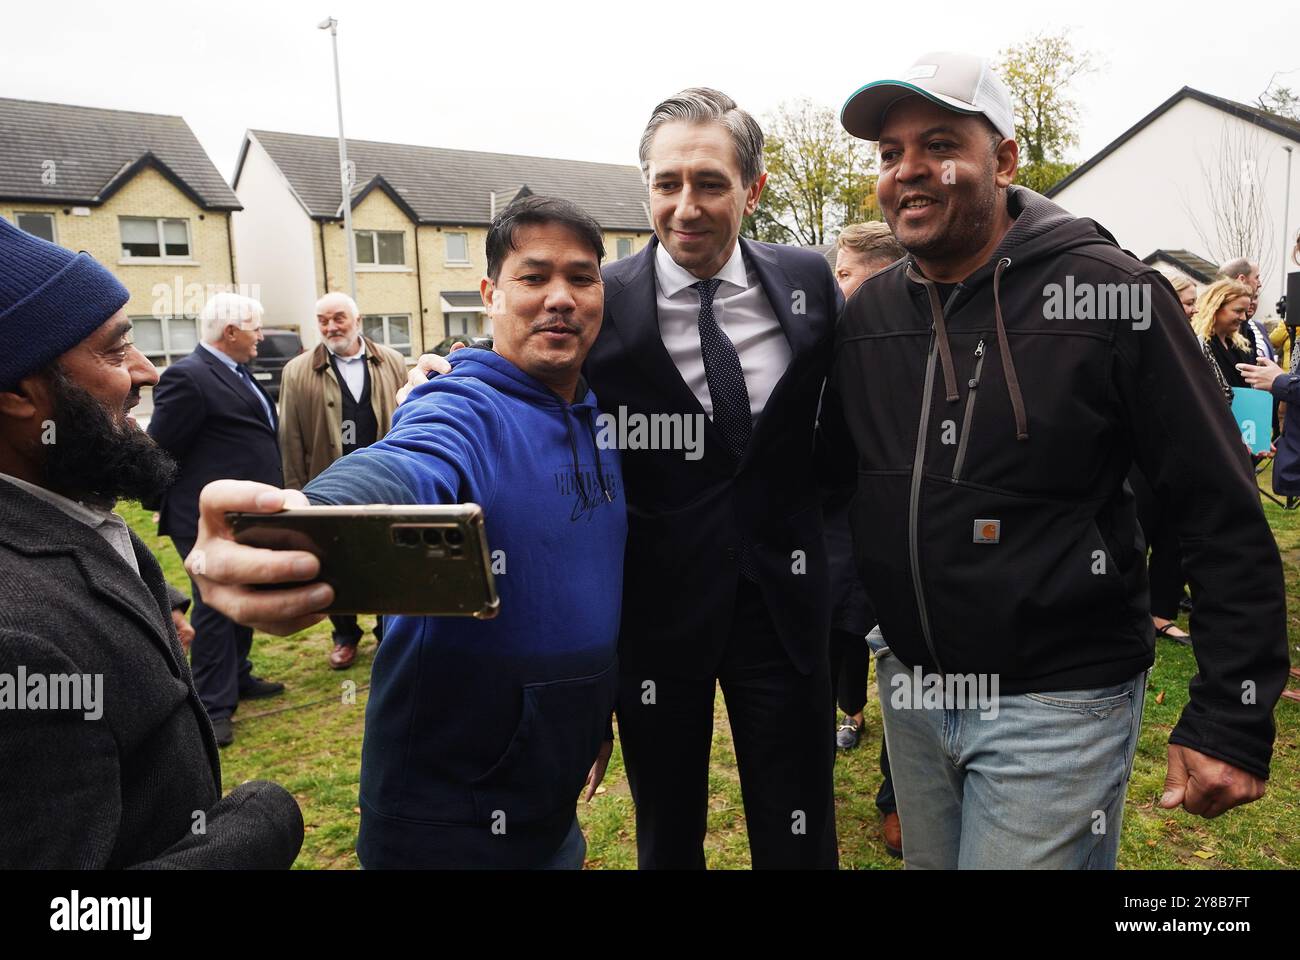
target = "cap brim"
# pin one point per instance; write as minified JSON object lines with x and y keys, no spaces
{"x":864,"y":111}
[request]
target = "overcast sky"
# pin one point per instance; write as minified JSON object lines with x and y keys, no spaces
{"x":577,"y":79}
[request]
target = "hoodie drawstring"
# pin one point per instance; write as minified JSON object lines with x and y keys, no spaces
{"x":577,"y":468}
{"x":1008,"y":365}
{"x":1004,"y":346}
{"x":941,"y":334}
{"x":600,"y":470}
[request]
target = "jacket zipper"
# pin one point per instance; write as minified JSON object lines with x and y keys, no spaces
{"x":914,"y":505}
{"x":973,"y":385}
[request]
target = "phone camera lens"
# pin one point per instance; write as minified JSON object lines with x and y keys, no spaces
{"x":406,"y":537}
{"x":433,"y":536}
{"x":455,"y":537}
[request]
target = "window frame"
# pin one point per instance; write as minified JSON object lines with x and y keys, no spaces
{"x":374,"y":240}
{"x":618,"y":243}
{"x":168,"y":355}
{"x":163,"y":256}
{"x":446,"y":249}
{"x":385,"y":318}
{"x":54,"y":230}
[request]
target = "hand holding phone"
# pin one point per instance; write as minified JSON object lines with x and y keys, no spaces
{"x":228,"y":572}
{"x":415,"y":560}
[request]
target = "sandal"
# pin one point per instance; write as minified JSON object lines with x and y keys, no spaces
{"x":1164,"y":632}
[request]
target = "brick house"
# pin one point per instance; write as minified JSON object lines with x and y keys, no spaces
{"x":134,"y":190}
{"x":420,"y":218}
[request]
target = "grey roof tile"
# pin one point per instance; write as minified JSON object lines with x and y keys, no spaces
{"x":454,"y":186}
{"x":92,"y":148}
{"x":1197,"y":267}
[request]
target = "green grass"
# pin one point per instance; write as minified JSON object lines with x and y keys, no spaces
{"x":309,"y":740}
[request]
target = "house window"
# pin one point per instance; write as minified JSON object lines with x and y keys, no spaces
{"x":392,"y":330}
{"x":381,"y":248}
{"x":457,"y":247}
{"x":164,"y":340}
{"x":37,"y":224}
{"x":624,"y":247}
{"x":155,"y":239}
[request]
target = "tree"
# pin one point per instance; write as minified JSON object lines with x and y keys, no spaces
{"x":1038,"y":74}
{"x":818,"y":177}
{"x":1240,"y":223}
{"x":1041,"y":177}
{"x":1280,"y":100}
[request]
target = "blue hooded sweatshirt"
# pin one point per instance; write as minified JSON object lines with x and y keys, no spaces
{"x":480,"y":733}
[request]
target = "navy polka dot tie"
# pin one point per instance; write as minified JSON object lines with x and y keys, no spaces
{"x":726,"y":380}
{"x":729,"y":395}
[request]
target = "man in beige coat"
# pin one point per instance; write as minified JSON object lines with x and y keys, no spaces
{"x":338,"y":398}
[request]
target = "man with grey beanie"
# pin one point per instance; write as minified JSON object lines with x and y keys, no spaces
{"x":109,"y":757}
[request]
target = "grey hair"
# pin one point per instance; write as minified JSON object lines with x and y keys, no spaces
{"x":224,"y":309}
{"x":1240,"y":267}
{"x":347,"y":302}
{"x":705,"y":105}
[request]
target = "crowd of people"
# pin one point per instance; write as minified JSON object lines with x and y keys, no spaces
{"x":908,"y":460}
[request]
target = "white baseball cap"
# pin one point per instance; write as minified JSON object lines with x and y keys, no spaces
{"x":960,"y":82}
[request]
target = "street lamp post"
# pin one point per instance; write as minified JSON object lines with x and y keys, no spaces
{"x":1286,"y":229}
{"x":345,"y":172}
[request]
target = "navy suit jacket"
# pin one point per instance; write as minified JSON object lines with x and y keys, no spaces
{"x":206,"y":417}
{"x":688,"y":518}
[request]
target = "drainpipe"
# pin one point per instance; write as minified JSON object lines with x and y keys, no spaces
{"x":419,"y":291}
{"x":230,"y":243}
{"x":324,"y":263}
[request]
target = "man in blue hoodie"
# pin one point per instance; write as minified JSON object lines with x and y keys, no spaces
{"x":480,"y":734}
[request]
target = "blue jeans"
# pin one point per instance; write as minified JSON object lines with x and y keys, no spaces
{"x":1020,"y":781}
{"x":572,"y":852}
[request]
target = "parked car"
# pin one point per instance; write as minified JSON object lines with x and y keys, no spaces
{"x":277,"y":348}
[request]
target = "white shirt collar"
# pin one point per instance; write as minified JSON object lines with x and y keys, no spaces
{"x":673,"y":279}
{"x":356,"y":356}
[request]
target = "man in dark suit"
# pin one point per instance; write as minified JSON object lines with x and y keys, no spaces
{"x":215,"y":419}
{"x":726,"y":575}
{"x":108,"y":758}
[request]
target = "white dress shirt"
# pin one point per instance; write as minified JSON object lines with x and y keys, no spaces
{"x":743,"y":313}
{"x":353,"y":369}
{"x":106,"y":523}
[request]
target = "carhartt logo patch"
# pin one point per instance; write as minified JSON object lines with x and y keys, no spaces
{"x":988,"y":531}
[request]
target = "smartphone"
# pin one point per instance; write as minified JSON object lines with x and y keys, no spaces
{"x":426,"y":561}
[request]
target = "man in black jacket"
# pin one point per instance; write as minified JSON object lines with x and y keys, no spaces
{"x":108,"y":758}
{"x":998,"y":385}
{"x":215,"y":419}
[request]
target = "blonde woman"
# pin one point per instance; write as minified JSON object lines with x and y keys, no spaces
{"x":1165,"y":564}
{"x":1186,"y":291}
{"x":1220,"y":312}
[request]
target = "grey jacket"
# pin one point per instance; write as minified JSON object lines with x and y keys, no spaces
{"x":134,"y":779}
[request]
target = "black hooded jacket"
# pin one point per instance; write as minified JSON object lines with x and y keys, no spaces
{"x":992,"y":524}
